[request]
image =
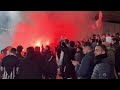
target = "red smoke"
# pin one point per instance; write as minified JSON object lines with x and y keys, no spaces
{"x":47,"y":28}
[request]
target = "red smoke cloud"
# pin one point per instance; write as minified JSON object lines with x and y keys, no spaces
{"x":48,"y":27}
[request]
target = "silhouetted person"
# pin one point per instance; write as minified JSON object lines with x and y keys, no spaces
{"x":10,"y":65}
{"x":19,"y":51}
{"x":58,"y":51}
{"x":67,"y":68}
{"x":67,"y":42}
{"x":40,"y":58}
{"x":117,"y":61}
{"x":37,"y":50}
{"x":85,"y":69}
{"x":50,"y":64}
{"x":58,"y":59}
{"x":117,"y":36}
{"x":116,"y":46}
{"x":30,"y":66}
{"x":3,"y":53}
{"x":72,"y":50}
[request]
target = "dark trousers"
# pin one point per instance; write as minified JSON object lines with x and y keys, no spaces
{"x":67,"y":72}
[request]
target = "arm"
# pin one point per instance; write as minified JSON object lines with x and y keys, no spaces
{"x":61,"y":58}
{"x":57,"y":58}
{"x":76,"y":64}
{"x":84,"y":67}
{"x":79,"y":57}
{"x":101,"y":71}
{"x":95,"y":73}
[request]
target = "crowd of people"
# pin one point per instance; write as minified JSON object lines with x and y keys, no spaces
{"x":98,"y":57}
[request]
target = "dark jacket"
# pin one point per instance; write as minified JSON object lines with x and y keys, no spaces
{"x":58,"y":50}
{"x":19,"y":56}
{"x":41,"y":60}
{"x":72,"y":52}
{"x":79,"y":56}
{"x":117,"y":59}
{"x":104,"y":68}
{"x":116,"y":45}
{"x":10,"y":62}
{"x":50,"y":65}
{"x":31,"y":67}
{"x":85,"y":70}
{"x":68,"y":69}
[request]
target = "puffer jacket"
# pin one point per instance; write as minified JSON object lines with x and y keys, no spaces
{"x":104,"y":69}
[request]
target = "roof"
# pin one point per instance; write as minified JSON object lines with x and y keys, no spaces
{"x":110,"y":16}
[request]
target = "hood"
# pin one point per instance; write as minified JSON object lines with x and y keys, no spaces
{"x":103,"y":59}
{"x":107,"y":60}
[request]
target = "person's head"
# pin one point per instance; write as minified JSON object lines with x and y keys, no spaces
{"x":113,"y":34}
{"x":108,"y":35}
{"x":4,"y":51}
{"x":19,"y":48}
{"x":114,"y":40}
{"x":64,"y":45}
{"x":8,"y":48}
{"x":94,"y":36}
{"x":72,"y":43}
{"x":37,"y":49}
{"x":13,"y":51}
{"x":67,"y":41}
{"x":104,"y":35}
{"x":47,"y":47}
{"x":79,"y":49}
{"x":117,"y":34}
{"x":100,"y":49}
{"x":30,"y":50}
{"x":98,"y":35}
{"x":87,"y":47}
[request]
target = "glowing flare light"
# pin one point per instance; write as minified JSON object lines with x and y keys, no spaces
{"x":47,"y":43}
{"x":38,"y":43}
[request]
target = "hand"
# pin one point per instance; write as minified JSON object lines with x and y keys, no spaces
{"x":62,"y":38}
{"x":75,"y":63}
